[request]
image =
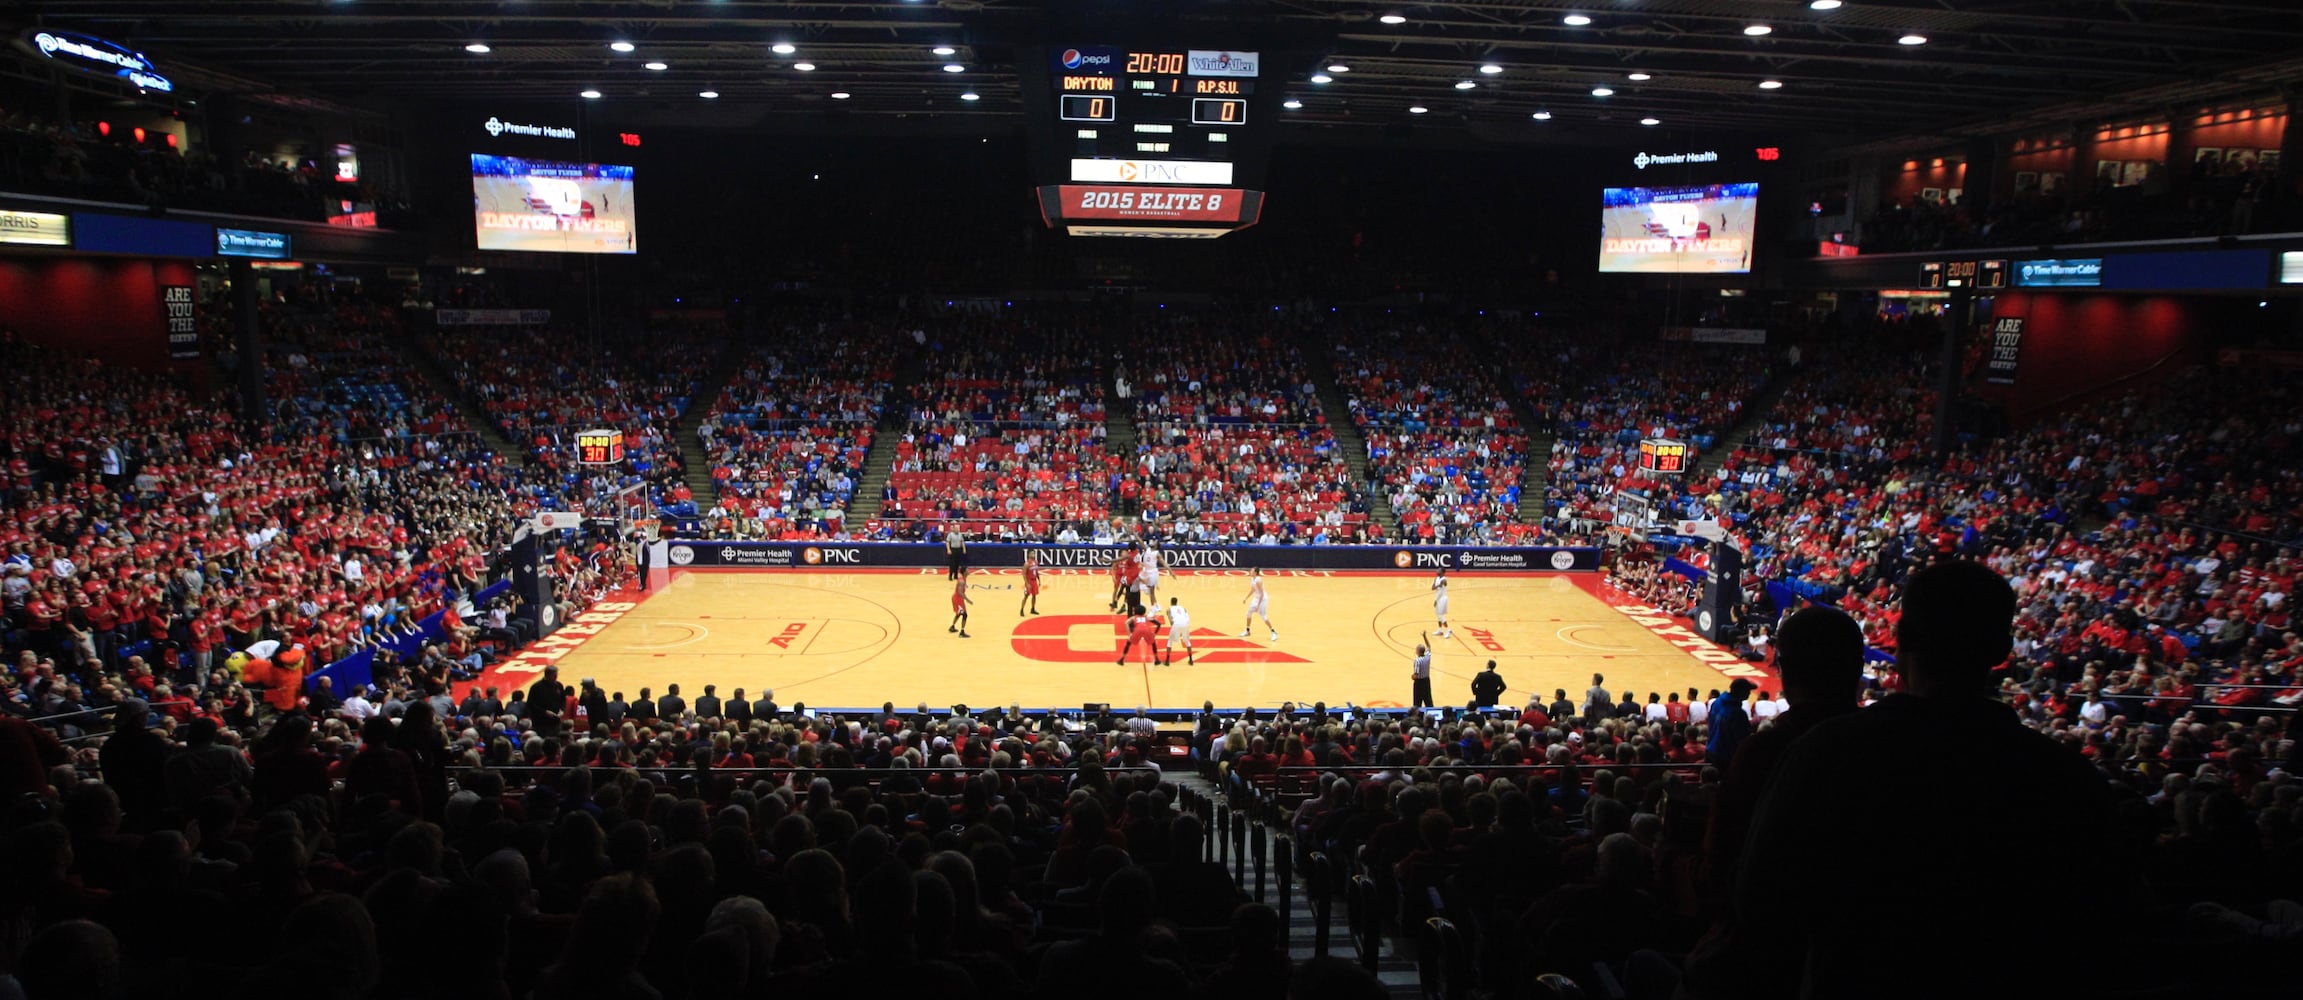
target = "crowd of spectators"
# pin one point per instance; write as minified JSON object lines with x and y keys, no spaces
{"x":1004,"y":434}
{"x":1441,"y":439}
{"x":788,"y":436}
{"x":545,"y":385}
{"x":1232,"y":443}
{"x":1609,"y":398}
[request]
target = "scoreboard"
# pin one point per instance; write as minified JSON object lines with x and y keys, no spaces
{"x":599,"y":446}
{"x":1150,"y":141}
{"x":1661,"y":457}
{"x":1963,"y":274}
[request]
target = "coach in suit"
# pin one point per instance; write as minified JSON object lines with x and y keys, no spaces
{"x":708,"y":706}
{"x":671,"y":705}
{"x":1487,"y":688}
{"x":765,"y":709}
{"x":739,"y":710}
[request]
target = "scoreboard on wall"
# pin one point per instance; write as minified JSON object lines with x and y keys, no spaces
{"x":1150,"y":141}
{"x":1663,"y":457}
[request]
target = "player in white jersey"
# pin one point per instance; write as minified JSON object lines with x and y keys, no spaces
{"x":1258,"y":605}
{"x":1439,"y":603}
{"x":1179,"y":633}
{"x":1147,"y":577}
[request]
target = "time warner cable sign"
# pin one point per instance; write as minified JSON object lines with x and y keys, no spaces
{"x":97,"y":57}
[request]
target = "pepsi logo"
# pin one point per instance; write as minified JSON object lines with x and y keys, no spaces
{"x":1071,"y":58}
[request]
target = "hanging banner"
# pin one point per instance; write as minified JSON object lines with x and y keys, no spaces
{"x":183,"y":325}
{"x":2006,"y":350}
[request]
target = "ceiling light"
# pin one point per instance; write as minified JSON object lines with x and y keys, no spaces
{"x":1491,"y":69}
{"x":954,"y":68}
{"x":1823,"y":4}
{"x":804,"y":67}
{"x":659,"y":67}
{"x":1912,"y":39}
{"x":841,"y":95}
{"x":1756,"y":30}
{"x":590,"y":95}
{"x":1650,"y":121}
{"x":971,"y":96}
{"x":1393,"y":19}
{"x":1541,"y":116}
{"x":1322,"y":78}
{"x":1640,"y":78}
{"x":478,"y":48}
{"x":1464,"y":85}
{"x":1417,"y":110}
{"x":1575,"y":20}
{"x":622,"y":46}
{"x":783,"y":48}
{"x":1603,"y":92}
{"x":1771,"y":85}
{"x":943,"y":50}
{"x":1291,"y":104}
{"x":709,"y":95}
{"x":1338,"y":68}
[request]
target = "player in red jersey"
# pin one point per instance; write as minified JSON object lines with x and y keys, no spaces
{"x":1031,"y":584}
{"x":1124,"y":571}
{"x":1142,"y":629}
{"x":960,"y":602}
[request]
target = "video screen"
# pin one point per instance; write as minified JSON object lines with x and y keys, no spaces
{"x":545,"y":206}
{"x":1703,"y":229}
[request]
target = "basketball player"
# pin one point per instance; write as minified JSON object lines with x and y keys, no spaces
{"x":1123,"y":576}
{"x":1031,"y":584}
{"x":1179,"y":633}
{"x":1439,"y":603}
{"x":1258,"y":605}
{"x":1142,"y":628}
{"x":1147,"y":577}
{"x":960,"y":602}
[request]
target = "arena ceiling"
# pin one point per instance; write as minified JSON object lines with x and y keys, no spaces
{"x":1862,"y":68}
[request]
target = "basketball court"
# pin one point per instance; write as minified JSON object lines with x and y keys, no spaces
{"x":854,"y":639}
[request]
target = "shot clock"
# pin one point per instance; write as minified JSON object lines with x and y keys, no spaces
{"x":1663,"y":457}
{"x":599,"y":446}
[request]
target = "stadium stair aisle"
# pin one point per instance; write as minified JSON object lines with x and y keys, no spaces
{"x":1338,"y":412}
{"x":1754,"y":414}
{"x":467,"y":408}
{"x":1119,"y":421}
{"x":895,"y":416}
{"x":1396,"y":968}
{"x":692,"y":455}
{"x":1536,"y":475}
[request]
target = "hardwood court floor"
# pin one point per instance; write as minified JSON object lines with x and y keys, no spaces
{"x":847,"y":639}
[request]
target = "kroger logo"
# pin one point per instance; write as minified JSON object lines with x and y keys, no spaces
{"x":1563,"y":560}
{"x":682,"y":555}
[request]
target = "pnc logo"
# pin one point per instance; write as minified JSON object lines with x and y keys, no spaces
{"x":1099,"y":639}
{"x":812,"y":556}
{"x":1403,"y":559}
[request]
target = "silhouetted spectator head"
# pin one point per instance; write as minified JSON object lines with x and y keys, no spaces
{"x":72,"y":960}
{"x":1126,"y":904}
{"x":1820,"y":652}
{"x":1958,"y":621}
